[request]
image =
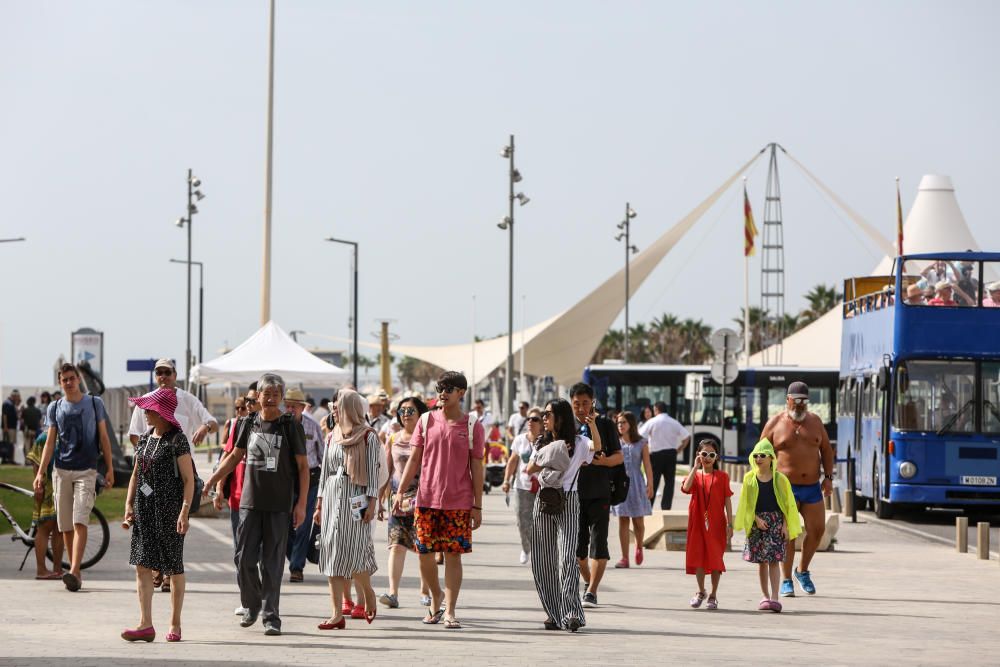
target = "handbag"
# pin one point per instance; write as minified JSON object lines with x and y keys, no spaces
{"x":619,"y":484}
{"x":552,"y":499}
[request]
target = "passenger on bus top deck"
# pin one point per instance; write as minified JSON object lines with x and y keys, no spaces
{"x":943,"y":297}
{"x":914,"y":296}
{"x":993,"y":300}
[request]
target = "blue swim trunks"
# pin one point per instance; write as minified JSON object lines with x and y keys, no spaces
{"x":807,"y":494}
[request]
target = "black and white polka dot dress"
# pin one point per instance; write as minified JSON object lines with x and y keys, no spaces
{"x":156,"y":544}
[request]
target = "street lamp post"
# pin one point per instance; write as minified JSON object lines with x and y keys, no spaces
{"x":626,"y":225}
{"x":201,"y":308}
{"x":354,"y":316}
{"x":514,"y":176}
{"x":193,"y":194}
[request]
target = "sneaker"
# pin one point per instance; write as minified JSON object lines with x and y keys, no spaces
{"x":712,"y":604}
{"x":295,"y":576}
{"x":272,"y":630}
{"x":787,"y":591}
{"x":589,"y":600}
{"x":698,"y":598}
{"x":805,"y":582}
{"x":425,"y":600}
{"x":239,"y":611}
{"x":524,"y":557}
{"x":358,"y":611}
{"x":249,"y":618}
{"x":621,"y":564}
{"x":390,"y":601}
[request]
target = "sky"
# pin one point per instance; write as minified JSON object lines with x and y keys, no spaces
{"x":388,"y":122}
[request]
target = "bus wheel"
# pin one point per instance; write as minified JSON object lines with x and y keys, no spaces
{"x":883,"y":509}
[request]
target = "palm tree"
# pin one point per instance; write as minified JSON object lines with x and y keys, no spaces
{"x":757,"y":336}
{"x":821,"y":300}
{"x":612,"y":346}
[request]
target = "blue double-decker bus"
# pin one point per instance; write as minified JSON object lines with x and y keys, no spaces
{"x":919,"y":386}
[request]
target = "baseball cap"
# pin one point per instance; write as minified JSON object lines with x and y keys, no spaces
{"x":798,"y":390}
{"x":165,"y":363}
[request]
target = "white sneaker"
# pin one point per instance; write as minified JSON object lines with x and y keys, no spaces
{"x":524,"y":557}
{"x":240,"y":611}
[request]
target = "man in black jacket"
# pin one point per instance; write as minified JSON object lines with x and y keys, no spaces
{"x":594,"y":487}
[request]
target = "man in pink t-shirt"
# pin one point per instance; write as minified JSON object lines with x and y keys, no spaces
{"x":449,"y":460}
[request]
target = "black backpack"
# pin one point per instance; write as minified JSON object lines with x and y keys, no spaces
{"x":199,"y":483}
{"x":619,"y":484}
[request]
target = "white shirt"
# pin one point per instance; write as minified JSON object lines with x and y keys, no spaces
{"x":581,"y":455}
{"x":516,"y":423}
{"x":522,"y":449}
{"x":663,"y":432}
{"x":190,"y":413}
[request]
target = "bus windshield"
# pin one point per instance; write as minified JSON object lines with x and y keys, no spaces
{"x":936,"y":396}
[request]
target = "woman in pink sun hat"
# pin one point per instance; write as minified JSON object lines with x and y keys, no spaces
{"x":156,"y":506}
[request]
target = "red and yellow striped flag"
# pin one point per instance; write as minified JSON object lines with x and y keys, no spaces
{"x":899,"y":220}
{"x":749,"y":228}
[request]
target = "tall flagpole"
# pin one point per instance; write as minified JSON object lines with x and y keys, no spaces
{"x":899,"y":220}
{"x":746,"y":284}
{"x":265,"y":291}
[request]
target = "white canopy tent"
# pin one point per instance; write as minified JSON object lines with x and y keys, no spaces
{"x":935,"y":224}
{"x":270,"y":350}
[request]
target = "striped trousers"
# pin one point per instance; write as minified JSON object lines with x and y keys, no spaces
{"x":525,"y":512}
{"x":553,"y":561}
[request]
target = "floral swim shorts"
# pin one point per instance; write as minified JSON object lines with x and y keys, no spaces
{"x":448,"y":531}
{"x":401,"y":531}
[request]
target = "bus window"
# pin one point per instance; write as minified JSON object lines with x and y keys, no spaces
{"x":991,"y":396}
{"x":820,"y":404}
{"x":953,"y":283}
{"x":991,"y":287}
{"x":936,"y":396}
{"x":635,"y":397}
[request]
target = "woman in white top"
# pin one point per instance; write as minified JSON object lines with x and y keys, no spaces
{"x":346,"y":503}
{"x":525,"y":485}
{"x":557,"y":460}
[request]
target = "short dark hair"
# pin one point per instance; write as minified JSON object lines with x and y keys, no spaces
{"x":253,"y":386}
{"x":581,"y":388}
{"x":453,"y":379}
{"x":323,"y":402}
{"x":68,"y":368}
{"x":523,"y":404}
{"x":479,"y":401}
{"x":417,"y":403}
{"x":31,"y":400}
{"x":660,"y":407}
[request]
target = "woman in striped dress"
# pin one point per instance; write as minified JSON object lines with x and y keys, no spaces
{"x":557,"y":459}
{"x":349,"y":476}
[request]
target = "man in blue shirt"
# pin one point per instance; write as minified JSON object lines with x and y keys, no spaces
{"x":77,"y":435}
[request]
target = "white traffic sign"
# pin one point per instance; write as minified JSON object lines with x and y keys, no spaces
{"x":726,"y":340}
{"x":725,"y":372}
{"x":692,"y":386}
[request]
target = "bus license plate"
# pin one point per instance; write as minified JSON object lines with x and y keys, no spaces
{"x":979,"y":480}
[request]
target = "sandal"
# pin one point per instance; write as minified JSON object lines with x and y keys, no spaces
{"x":764,"y":605}
{"x":712,"y":604}
{"x":157,"y":580}
{"x":622,"y":564}
{"x":433,"y":619}
{"x":166,"y":585}
{"x":452,"y":624}
{"x":698,"y":598}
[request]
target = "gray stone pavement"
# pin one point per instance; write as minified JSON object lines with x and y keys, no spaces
{"x":884,"y":597}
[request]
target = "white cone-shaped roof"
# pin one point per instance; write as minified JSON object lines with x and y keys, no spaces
{"x":935,"y":224}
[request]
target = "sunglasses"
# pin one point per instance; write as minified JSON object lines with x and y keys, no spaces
{"x":251,"y":401}
{"x":710,"y":455}
{"x":406,"y":412}
{"x":800,"y":401}
{"x":534,"y":418}
{"x":761,"y":456}
{"x":163,"y":371}
{"x":547,"y":413}
{"x":444,"y":389}
{"x":241,"y":407}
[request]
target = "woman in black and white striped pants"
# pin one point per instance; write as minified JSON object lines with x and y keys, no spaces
{"x":554,"y":536}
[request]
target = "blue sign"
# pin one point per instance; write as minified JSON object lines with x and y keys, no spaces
{"x":140,"y":365}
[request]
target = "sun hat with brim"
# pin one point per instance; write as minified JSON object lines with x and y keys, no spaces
{"x":295,"y":395}
{"x":162,"y":401}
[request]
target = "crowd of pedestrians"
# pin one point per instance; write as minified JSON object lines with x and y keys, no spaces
{"x":301,"y":485}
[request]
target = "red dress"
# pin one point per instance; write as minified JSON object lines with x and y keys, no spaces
{"x":705,"y":547}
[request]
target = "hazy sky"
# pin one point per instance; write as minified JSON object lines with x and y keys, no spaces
{"x":388,"y":121}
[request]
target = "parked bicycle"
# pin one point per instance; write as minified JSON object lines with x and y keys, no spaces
{"x":97,"y":545}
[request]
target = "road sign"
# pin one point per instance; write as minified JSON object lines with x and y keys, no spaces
{"x":725,"y":372}
{"x":87,"y":344}
{"x":549,"y":384}
{"x":692,"y":386}
{"x":726,"y":340}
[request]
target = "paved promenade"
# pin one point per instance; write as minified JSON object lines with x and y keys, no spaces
{"x":884,"y":597}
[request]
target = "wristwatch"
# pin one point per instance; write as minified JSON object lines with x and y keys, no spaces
{"x":829,"y":476}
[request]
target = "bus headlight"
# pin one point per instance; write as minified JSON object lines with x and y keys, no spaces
{"x":907,"y":469}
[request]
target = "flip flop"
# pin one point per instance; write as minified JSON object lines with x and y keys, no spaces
{"x":51,"y":576}
{"x":433,"y":619}
{"x":71,"y":582}
{"x":452,"y":624}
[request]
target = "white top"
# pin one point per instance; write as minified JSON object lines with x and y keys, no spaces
{"x":190,"y":413}
{"x":558,"y":466}
{"x":516,"y":423}
{"x":663,"y":432}
{"x":522,"y":449}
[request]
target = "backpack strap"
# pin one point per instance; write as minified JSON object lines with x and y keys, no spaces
{"x":472,"y":428}
{"x":424,"y":419}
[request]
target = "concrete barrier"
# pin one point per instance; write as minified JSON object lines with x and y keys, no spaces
{"x":983,"y":540}
{"x":962,"y":534}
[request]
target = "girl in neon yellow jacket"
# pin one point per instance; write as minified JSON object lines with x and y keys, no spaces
{"x":768,"y":515}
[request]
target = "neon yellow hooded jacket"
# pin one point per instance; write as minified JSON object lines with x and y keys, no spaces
{"x":745,"y":513}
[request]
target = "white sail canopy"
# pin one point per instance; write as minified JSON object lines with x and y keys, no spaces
{"x":269,"y":350}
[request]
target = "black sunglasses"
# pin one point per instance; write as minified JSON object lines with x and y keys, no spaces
{"x":445,"y":388}
{"x":250,"y":401}
{"x":547,"y":413}
{"x":534,"y":418}
{"x":406,"y":412}
{"x":164,"y":371}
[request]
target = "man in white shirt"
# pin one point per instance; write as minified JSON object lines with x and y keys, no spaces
{"x":196,"y":422}
{"x":518,"y":422}
{"x":667,"y":438}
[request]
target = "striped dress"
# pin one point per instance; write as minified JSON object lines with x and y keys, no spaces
{"x":345,"y":544}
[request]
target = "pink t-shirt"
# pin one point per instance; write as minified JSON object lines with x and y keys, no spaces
{"x":445,"y":477}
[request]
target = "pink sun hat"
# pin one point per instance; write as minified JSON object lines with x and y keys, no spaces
{"x":162,"y":401}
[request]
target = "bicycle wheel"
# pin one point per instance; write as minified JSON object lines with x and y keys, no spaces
{"x":97,"y":541}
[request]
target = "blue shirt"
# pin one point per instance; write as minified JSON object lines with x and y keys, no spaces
{"x":78,"y":445}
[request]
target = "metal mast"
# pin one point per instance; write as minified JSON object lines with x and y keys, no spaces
{"x":772,"y":271}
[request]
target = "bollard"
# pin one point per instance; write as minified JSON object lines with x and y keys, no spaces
{"x":835,"y":502}
{"x":983,"y":540}
{"x":962,"y":534}
{"x":848,"y":502}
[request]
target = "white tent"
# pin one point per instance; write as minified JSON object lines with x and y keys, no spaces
{"x":269,"y":350}
{"x":935,"y":224}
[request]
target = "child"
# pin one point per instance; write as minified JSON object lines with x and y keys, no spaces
{"x":708,"y":528}
{"x":768,"y":514}
{"x":44,"y":517}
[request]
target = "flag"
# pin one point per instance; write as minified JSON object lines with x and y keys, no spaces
{"x":899,"y":220}
{"x":749,"y":228}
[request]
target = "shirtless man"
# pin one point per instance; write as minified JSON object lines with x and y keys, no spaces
{"x":800,"y":441}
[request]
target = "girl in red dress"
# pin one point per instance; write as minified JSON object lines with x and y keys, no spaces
{"x":709,"y":527}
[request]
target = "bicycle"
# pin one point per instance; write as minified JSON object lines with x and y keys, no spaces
{"x":96,"y":548}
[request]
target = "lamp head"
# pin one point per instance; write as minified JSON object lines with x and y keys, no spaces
{"x":634,"y":249}
{"x":516,"y":176}
{"x":621,"y":225}
{"x":195,"y":181}
{"x":631,"y":212}
{"x":523,"y":198}
{"x":192,"y":209}
{"x":506,"y":152}
{"x":199,"y":195}
{"x":180,"y":222}
{"x":503,"y":224}
{"x":620,"y":237}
